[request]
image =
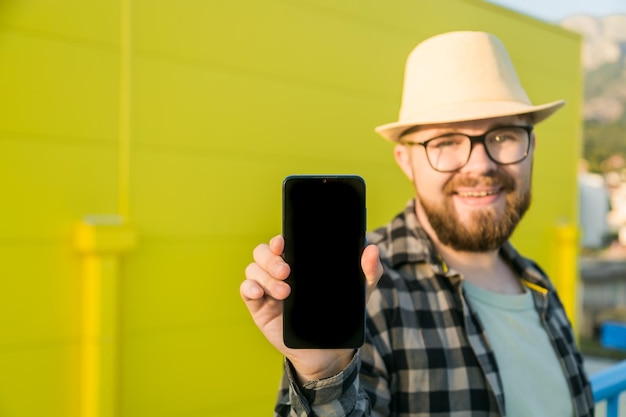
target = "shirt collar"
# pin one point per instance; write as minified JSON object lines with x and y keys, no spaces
{"x":404,"y":241}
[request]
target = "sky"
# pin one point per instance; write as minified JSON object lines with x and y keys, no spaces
{"x":556,"y":10}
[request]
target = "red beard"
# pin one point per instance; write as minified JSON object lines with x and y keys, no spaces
{"x":486,"y":230}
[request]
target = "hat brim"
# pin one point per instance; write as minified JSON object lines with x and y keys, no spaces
{"x":463,"y":112}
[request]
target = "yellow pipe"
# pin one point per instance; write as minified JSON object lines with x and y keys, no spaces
{"x":100,"y":329}
{"x":567,"y":246}
{"x":101,"y":241}
{"x":125,"y":108}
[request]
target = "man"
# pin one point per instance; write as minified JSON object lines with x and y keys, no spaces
{"x":459,"y":324}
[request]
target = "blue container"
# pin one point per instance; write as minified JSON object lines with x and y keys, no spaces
{"x":613,"y":335}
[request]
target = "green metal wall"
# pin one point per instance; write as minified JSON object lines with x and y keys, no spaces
{"x":183,"y":117}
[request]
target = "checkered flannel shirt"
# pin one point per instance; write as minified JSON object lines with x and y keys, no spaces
{"x":426,"y":352}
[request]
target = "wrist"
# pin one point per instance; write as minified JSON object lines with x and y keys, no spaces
{"x":335,"y":364}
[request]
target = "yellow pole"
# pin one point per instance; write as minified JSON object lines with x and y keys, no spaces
{"x":101,"y":241}
{"x":125,"y":108}
{"x":567,"y":248}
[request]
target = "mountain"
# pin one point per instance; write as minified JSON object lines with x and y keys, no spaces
{"x":604,"y":61}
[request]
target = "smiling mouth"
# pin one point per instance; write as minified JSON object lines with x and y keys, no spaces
{"x":477,"y":193}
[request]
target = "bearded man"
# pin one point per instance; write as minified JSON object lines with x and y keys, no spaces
{"x":458,"y":323}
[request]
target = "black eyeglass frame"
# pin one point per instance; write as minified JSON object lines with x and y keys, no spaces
{"x":473,"y":140}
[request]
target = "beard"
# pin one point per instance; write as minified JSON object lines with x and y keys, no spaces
{"x":486,"y":230}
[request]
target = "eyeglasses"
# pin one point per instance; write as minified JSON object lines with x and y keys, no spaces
{"x":504,"y":145}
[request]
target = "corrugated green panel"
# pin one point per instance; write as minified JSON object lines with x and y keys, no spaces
{"x":52,"y":184}
{"x":95,"y":22}
{"x":182,"y":372}
{"x":58,"y":131}
{"x":40,"y":300}
{"x":182,"y":106}
{"x":185,"y":282}
{"x":204,"y":195}
{"x":57,"y":89}
{"x":188,"y":343}
{"x":39,"y":380}
{"x":288,"y":42}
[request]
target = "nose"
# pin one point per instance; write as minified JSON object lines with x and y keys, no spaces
{"x":479,"y":161}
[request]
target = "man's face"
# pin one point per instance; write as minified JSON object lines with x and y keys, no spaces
{"x":477,"y":207}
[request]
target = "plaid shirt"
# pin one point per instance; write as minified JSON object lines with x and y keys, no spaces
{"x":426,"y":352}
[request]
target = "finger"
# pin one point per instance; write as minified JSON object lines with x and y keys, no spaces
{"x":263,"y":309}
{"x":270,"y":260}
{"x":277,"y":244}
{"x":250,"y":290}
{"x":264,"y":282}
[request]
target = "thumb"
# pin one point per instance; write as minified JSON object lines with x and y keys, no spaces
{"x":372,"y":268}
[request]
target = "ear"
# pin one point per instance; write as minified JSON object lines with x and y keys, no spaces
{"x":402,"y":153}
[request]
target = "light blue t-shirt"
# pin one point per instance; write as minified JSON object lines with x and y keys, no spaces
{"x":533,"y":379}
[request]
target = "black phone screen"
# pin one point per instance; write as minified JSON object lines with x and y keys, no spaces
{"x":324,"y":230}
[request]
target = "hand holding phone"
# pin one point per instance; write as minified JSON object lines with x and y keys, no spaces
{"x":324,"y":230}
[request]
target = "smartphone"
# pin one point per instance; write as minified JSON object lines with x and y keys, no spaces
{"x":324,"y":221}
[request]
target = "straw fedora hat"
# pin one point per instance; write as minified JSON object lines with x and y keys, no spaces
{"x":461,"y":76}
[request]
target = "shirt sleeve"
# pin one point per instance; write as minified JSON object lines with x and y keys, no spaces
{"x":338,"y":395}
{"x":362,"y":389}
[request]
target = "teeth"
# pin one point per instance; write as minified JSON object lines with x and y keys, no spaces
{"x":476,"y":193}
